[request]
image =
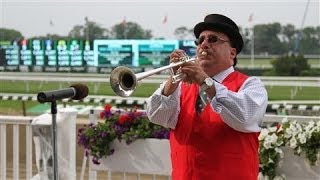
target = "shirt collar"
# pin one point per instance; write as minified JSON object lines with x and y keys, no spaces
{"x":223,"y":74}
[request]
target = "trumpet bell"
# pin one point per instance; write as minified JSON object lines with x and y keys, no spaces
{"x":123,"y":81}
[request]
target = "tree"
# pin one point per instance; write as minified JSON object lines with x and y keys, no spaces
{"x":183,"y":32}
{"x":266,"y":39}
{"x":90,"y":30}
{"x":9,"y":34}
{"x":130,"y":30}
{"x":289,"y":36}
{"x":290,"y":65}
{"x":246,"y":35}
{"x":77,"y":32}
{"x":310,"y":41}
{"x":54,"y":37}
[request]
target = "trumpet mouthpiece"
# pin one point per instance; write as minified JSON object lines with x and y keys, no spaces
{"x":204,"y":53}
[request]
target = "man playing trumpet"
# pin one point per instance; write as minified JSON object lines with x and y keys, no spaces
{"x":215,"y":112}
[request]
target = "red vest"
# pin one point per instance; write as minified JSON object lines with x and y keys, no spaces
{"x":203,"y":147}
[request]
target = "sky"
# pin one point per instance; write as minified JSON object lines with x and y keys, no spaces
{"x":41,"y":17}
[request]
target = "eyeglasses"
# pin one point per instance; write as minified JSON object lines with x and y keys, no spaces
{"x":212,"y":39}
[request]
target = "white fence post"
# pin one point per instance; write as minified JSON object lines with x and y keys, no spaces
{"x":16,"y":122}
{"x":15,"y":151}
{"x":3,"y":152}
{"x":29,"y":152}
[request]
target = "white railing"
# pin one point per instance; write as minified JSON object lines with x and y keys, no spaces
{"x":290,"y":107}
{"x":16,"y":122}
{"x":38,"y":129}
{"x":270,"y":118}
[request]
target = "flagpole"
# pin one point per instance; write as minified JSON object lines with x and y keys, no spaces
{"x":252,"y":48}
{"x":252,"y":39}
{"x":87,"y":27}
{"x":50,"y":33}
{"x":124,"y":24}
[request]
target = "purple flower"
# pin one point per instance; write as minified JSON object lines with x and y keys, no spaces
{"x":161,"y":134}
{"x":119,"y":130}
{"x":108,"y":114}
{"x":95,"y":160}
{"x":103,"y":134}
{"x":83,"y":140}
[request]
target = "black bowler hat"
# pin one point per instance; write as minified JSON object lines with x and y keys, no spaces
{"x":221,"y":23}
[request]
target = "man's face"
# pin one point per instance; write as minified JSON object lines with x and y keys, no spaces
{"x":214,"y":52}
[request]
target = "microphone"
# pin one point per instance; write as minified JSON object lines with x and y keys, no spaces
{"x":75,"y":92}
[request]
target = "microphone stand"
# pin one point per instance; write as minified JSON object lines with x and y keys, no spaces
{"x":54,"y":139}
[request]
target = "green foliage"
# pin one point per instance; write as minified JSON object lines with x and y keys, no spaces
{"x":310,"y":40}
{"x":9,"y":34}
{"x":270,"y":141}
{"x":276,"y":39}
{"x":96,"y":136}
{"x":290,"y":65}
{"x":302,"y":138}
{"x":54,"y":37}
{"x":266,"y":39}
{"x":269,"y":73}
{"x":311,"y":148}
{"x":268,"y":157}
{"x":183,"y":32}
{"x":89,"y":31}
{"x":311,"y":72}
{"x":130,"y":30}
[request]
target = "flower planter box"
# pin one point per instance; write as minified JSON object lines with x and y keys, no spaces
{"x":145,"y":156}
{"x":296,"y":167}
{"x":152,"y":156}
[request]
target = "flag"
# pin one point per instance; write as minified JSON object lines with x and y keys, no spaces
{"x":250,"y":17}
{"x":165,"y":19}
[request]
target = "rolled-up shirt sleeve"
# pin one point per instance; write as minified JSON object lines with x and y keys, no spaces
{"x":243,"y":110}
{"x":164,"y":110}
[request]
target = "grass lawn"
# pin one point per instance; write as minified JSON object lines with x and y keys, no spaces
{"x":143,"y":90}
{"x":262,"y":62}
{"x":293,"y":93}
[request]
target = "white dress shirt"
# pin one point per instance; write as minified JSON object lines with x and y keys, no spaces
{"x":243,"y":110}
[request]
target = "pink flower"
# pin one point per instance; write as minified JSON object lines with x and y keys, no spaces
{"x":102,"y":114}
{"x":124,"y":118}
{"x":107,"y":107}
{"x":106,"y":112}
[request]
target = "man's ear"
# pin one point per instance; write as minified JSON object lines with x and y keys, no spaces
{"x":233,"y":53}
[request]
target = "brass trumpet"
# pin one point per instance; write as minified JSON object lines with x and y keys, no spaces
{"x":123,"y":81}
